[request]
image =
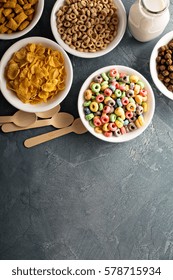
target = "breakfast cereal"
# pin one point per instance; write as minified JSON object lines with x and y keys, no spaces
{"x":36,"y":73}
{"x":115,"y":103}
{"x":16,"y":15}
{"x":88,"y":26}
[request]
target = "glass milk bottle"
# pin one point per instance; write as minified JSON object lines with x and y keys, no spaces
{"x":148,"y":18}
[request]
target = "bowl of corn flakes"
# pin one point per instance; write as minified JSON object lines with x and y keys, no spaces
{"x":35,"y":74}
{"x":18,"y":17}
{"x":88,"y":29}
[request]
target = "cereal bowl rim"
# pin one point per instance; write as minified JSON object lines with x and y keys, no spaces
{"x":37,"y":16}
{"x":12,"y":98}
{"x":111,"y":46}
{"x":153,"y":71}
{"x":148,"y":115}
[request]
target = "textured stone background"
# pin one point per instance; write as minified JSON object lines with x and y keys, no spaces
{"x":79,"y":198}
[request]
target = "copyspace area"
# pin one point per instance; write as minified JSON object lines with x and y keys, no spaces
{"x":77,"y":197}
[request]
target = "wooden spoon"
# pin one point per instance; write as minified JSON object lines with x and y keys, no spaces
{"x":76,"y":127}
{"x":20,"y":118}
{"x":48,"y":114}
{"x":10,"y":127}
{"x":59,"y":120}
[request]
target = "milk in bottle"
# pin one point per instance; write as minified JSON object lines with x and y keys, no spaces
{"x":148,"y":18}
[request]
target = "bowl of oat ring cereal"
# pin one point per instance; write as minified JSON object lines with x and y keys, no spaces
{"x":161,"y":65}
{"x":87,"y":28}
{"x":18,"y":17}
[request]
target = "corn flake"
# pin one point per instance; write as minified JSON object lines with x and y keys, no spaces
{"x":13,"y":71}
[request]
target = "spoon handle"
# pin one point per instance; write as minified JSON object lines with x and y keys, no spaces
{"x":33,"y":141}
{"x":4,"y":119}
{"x":10,"y":127}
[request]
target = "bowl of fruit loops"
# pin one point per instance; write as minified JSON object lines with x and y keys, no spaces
{"x":116,"y":103}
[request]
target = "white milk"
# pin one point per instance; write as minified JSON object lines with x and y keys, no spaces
{"x":154,"y":5}
{"x":148,"y":18}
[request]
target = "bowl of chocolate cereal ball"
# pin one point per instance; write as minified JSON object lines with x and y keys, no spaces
{"x":36,"y":74}
{"x":161,"y":65}
{"x":18,"y":17}
{"x":116,"y":103}
{"x":88,"y":28}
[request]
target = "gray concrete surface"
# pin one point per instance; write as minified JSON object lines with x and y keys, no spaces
{"x":79,"y":198}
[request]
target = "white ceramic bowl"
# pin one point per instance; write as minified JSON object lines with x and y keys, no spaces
{"x":121,"y":30}
{"x":147,"y":116}
{"x":163,"y":41}
{"x":38,"y":13}
{"x":12,"y":98}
